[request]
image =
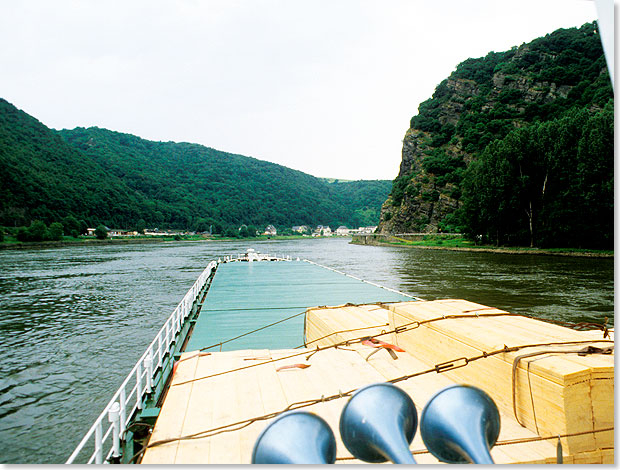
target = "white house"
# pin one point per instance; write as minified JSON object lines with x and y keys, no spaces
{"x":342,"y":231}
{"x":270,"y":230}
{"x":322,"y":230}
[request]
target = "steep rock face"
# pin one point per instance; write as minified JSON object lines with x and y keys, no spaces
{"x":483,"y":100}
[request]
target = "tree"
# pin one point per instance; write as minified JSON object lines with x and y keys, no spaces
{"x":201,"y":225}
{"x":71,"y":226}
{"x":101,"y":232}
{"x":22,"y":234}
{"x":55,"y":231}
{"x":548,"y":184}
{"x":83,"y":227}
{"x":141,"y":226}
{"x":231,"y":232}
{"x":37,"y":231}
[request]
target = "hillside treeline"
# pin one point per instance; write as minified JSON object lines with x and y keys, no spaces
{"x":515,"y":148}
{"x":98,"y":176}
{"x":545,"y":185}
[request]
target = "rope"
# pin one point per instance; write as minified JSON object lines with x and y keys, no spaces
{"x":521,"y":440}
{"x":341,"y":331}
{"x":581,"y":352}
{"x":438,"y":368}
{"x":400,"y":329}
{"x":524,"y":440}
{"x":281,"y":321}
{"x":253,"y":331}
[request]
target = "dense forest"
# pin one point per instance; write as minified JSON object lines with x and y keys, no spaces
{"x":514,"y":148}
{"x":97,"y":176}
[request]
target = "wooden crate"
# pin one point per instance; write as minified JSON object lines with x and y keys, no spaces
{"x":554,"y":393}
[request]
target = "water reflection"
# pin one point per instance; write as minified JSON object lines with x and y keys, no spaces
{"x":74,"y":320}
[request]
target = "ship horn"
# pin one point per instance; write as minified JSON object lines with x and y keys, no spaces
{"x":460,"y":424}
{"x":378,"y":424}
{"x":296,"y":437}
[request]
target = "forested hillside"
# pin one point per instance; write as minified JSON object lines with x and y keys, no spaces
{"x":45,"y":178}
{"x":101,"y":176}
{"x":514,"y":148}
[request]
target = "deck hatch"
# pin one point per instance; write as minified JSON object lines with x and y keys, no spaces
{"x":246,"y":296}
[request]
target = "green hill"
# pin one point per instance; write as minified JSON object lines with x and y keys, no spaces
{"x":45,"y":178}
{"x":514,"y":148}
{"x":117,"y":179}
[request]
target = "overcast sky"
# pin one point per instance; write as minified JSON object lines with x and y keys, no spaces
{"x":323,"y":86}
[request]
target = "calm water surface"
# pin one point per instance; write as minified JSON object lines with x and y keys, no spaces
{"x":74,"y":320}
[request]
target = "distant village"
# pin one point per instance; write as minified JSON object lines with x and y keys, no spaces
{"x":270,"y":230}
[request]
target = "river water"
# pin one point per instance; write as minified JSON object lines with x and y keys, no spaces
{"x":74,"y":320}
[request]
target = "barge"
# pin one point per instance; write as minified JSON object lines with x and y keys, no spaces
{"x":273,"y":360}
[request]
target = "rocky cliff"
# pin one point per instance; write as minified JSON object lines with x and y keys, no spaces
{"x":483,"y":100}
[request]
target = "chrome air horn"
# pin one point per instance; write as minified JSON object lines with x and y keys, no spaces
{"x":296,"y":437}
{"x":460,"y":424}
{"x":378,"y":424}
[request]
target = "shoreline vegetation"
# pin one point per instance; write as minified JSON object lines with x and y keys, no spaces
{"x":13,"y":243}
{"x":451,"y":242}
{"x":446,"y":242}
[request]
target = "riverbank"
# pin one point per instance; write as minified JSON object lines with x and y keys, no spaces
{"x":87,"y":241}
{"x":451,"y":242}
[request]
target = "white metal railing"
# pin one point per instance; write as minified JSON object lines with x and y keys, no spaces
{"x":128,"y":398}
{"x":252,"y":255}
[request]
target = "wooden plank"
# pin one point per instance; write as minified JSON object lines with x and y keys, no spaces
{"x":432,"y":346}
{"x":423,"y":387}
{"x":170,"y":421}
{"x":332,"y":324}
{"x":448,"y":339}
{"x":224,"y":404}
{"x":493,"y":332}
{"x":608,"y":457}
{"x":259,"y":390}
{"x":603,"y":410}
{"x":199,"y":414}
{"x":521,"y":328}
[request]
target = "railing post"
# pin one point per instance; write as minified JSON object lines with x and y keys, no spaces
{"x":98,"y":444}
{"x":159,"y":350}
{"x":114,"y":418}
{"x":139,"y":385}
{"x":148,"y":364}
{"x":123,"y":410}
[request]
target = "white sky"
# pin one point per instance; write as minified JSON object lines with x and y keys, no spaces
{"x":323,"y":86}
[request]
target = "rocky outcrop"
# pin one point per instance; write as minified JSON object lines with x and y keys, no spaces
{"x":481,"y":101}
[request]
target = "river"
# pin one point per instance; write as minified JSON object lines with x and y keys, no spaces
{"x":74,"y":320}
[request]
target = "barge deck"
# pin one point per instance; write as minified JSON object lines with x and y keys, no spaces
{"x":257,"y":336}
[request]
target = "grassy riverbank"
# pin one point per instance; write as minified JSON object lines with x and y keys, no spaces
{"x":458,"y":243}
{"x":13,"y":243}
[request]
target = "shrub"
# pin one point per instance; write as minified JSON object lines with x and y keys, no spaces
{"x":101,"y":232}
{"x":55,"y":231}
